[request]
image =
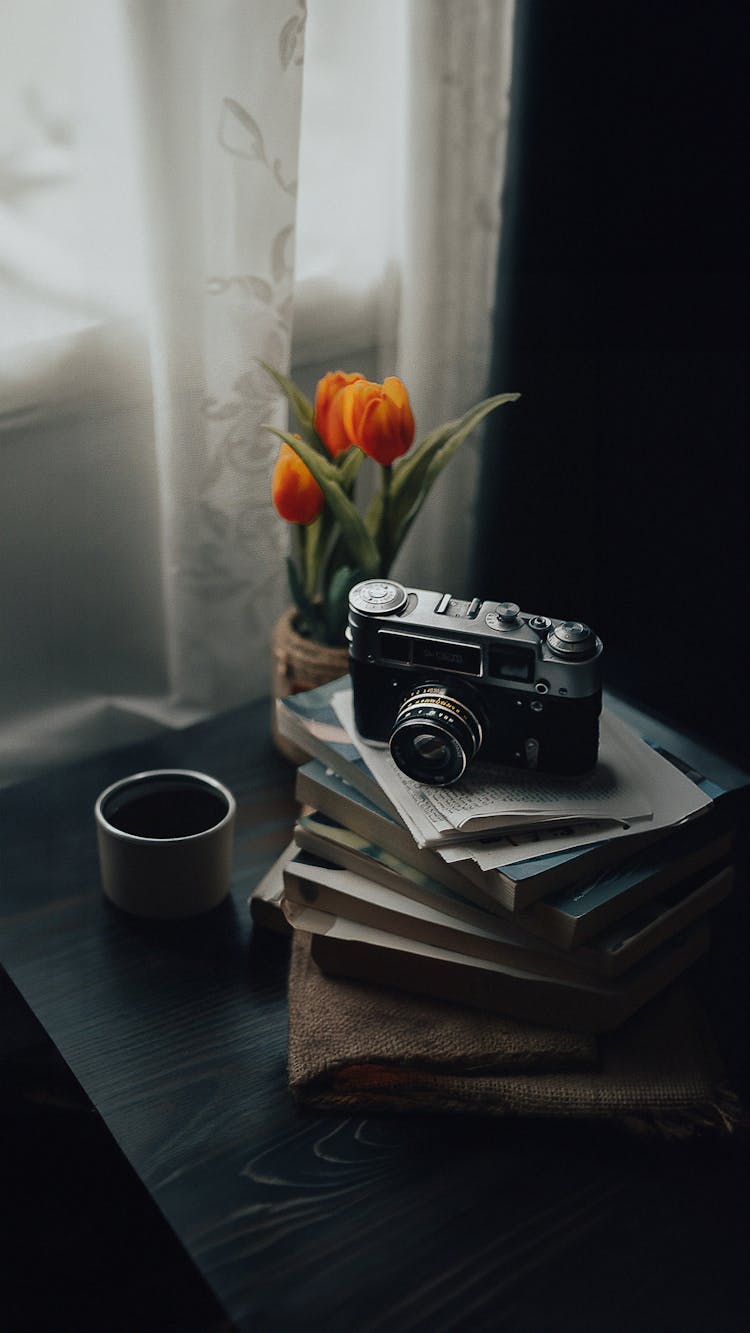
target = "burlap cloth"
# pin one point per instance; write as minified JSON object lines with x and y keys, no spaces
{"x":356,"y":1047}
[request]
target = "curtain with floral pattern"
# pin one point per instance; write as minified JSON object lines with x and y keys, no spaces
{"x":148,"y":241}
{"x":459,"y":104}
{"x":148,"y":181}
{"x":218,"y":104}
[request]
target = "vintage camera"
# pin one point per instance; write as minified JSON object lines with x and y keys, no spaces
{"x":438,"y":679}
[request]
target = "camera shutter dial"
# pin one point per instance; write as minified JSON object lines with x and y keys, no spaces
{"x":505,"y":616}
{"x":571,"y":639}
{"x":377,"y":596}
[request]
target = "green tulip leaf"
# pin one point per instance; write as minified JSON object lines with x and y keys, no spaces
{"x":413,"y":479}
{"x":336,"y":557}
{"x":336,"y":602}
{"x":316,"y":538}
{"x":300,"y":405}
{"x":360,"y":545}
{"x":307,"y":610}
{"x":303,"y":408}
{"x":348,"y":464}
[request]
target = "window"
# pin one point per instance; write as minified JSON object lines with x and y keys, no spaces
{"x":351,"y":184}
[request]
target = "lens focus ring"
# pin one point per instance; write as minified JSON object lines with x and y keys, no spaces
{"x":434,"y":736}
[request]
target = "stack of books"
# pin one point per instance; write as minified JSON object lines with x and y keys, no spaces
{"x":568,"y":903}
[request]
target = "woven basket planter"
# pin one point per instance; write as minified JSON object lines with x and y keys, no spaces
{"x":299,"y":664}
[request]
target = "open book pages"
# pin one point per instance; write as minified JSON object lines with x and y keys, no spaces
{"x":628,"y":784}
{"x":495,"y":853}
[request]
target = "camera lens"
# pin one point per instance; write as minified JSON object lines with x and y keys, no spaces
{"x":435,"y":735}
{"x":430,"y":748}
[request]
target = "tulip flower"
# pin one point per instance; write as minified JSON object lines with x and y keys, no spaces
{"x":315,"y":475}
{"x":327,"y":416}
{"x":378,"y":418}
{"x":296,"y":494}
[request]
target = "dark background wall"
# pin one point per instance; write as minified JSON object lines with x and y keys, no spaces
{"x":616,"y":490}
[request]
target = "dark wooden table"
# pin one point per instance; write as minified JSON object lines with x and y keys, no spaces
{"x":158,"y":1175}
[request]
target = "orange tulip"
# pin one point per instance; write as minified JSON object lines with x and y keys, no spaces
{"x":378,"y":418}
{"x":296,"y":494}
{"x":327,"y":419}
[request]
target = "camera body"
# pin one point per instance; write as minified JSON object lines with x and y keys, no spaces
{"x":437,"y":679}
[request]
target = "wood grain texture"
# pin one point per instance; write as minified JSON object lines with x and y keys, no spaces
{"x":79,"y":1231}
{"x":177,"y":1034}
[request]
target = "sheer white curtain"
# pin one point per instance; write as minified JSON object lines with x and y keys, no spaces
{"x":403,"y":156}
{"x":459,"y":80}
{"x":217,"y":98}
{"x":148,"y":230}
{"x":146,"y":248}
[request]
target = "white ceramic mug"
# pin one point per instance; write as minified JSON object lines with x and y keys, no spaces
{"x":165,"y":842}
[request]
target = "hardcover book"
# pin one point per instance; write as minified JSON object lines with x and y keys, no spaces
{"x":346,"y":948}
{"x":319,"y":786}
{"x":523,"y":865}
{"x":416,"y":913}
{"x":601,"y":885}
{"x":266,"y":900}
{"x":569,"y":919}
{"x":578,"y":913}
{"x":308,"y":720}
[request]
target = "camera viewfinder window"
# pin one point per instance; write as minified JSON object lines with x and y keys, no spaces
{"x":511,"y":664}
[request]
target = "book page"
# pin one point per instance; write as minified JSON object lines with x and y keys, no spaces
{"x":522,"y":844}
{"x":528,"y":846}
{"x":623,"y":788}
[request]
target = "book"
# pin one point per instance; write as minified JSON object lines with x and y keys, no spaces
{"x":600,"y":885}
{"x":333,"y":798}
{"x":322,"y":788}
{"x":597,"y":915}
{"x":631,"y":786}
{"x":522,"y":871}
{"x":422,"y":913}
{"x":266,"y":900}
{"x":657,"y":921}
{"x":350,"y":949}
{"x":375,"y":891}
{"x":577,"y":913}
{"x":309,"y":722}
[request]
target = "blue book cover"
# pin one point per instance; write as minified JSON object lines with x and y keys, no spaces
{"x":308,"y":719}
{"x":595,"y":894}
{"x":531,"y":868}
{"x":581,"y":910}
{"x":314,"y":710}
{"x":333,"y":782}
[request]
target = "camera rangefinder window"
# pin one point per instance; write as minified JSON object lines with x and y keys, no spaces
{"x":463,"y":657}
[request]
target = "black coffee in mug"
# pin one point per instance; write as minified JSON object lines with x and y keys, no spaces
{"x":174,"y":807}
{"x":165,"y":842}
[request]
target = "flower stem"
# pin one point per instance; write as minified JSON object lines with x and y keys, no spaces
{"x":384,"y":545}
